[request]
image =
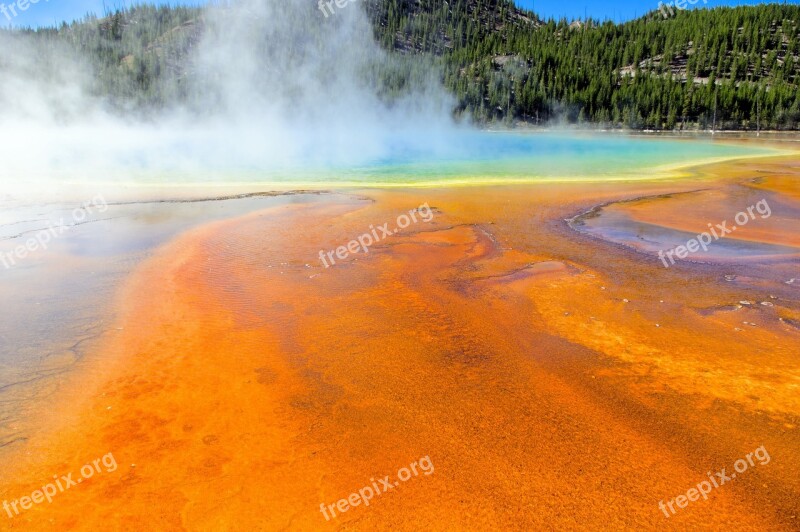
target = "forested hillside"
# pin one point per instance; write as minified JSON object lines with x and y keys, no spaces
{"x":728,"y":66}
{"x":505,"y":64}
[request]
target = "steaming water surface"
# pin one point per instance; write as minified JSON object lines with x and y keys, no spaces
{"x":463,"y":157}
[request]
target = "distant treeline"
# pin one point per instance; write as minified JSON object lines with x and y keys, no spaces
{"x":504,"y":64}
{"x":732,"y":67}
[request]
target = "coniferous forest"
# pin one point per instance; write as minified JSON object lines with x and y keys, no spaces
{"x":729,"y":68}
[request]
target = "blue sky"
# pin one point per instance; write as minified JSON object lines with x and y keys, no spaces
{"x":49,"y":12}
{"x":614,"y":9}
{"x":53,"y":12}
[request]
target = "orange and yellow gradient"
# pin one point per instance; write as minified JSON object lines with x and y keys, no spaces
{"x":557,"y":380}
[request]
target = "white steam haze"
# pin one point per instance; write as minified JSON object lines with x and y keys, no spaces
{"x":265,"y":94}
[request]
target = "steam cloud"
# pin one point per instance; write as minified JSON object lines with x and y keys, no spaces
{"x":272,"y":87}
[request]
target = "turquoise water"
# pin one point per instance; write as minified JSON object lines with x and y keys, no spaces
{"x":325,"y":159}
{"x":495,"y":156}
{"x":520,"y":156}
